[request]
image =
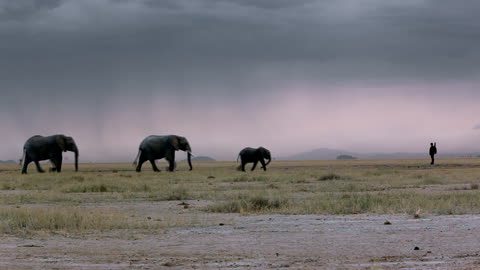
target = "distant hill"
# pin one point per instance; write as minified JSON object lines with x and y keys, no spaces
{"x":344,"y":157}
{"x":319,"y":154}
{"x":332,"y":154}
{"x":201,"y":158}
{"x":7,"y":162}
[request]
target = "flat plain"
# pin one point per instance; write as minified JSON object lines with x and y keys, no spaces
{"x":358,"y":214}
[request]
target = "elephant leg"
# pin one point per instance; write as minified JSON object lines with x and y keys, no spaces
{"x":154,"y":165}
{"x":170,"y":166}
{"x":39,"y":169}
{"x":264,"y":167}
{"x":54,"y":164}
{"x":54,"y":168}
{"x":58,"y":164}
{"x":254,"y":165}
{"x":26,"y":161}
{"x":171,"y":161}
{"x":243,"y":166}
{"x":141,"y":160}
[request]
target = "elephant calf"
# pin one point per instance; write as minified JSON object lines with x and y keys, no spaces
{"x":39,"y":148}
{"x":254,"y":155}
{"x":156,"y":147}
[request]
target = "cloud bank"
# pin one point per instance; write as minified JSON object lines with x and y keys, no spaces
{"x":365,"y":75}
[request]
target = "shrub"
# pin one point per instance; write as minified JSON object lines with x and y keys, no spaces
{"x":332,"y":176}
{"x":250,"y":204}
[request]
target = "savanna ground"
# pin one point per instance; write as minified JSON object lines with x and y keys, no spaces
{"x":379,"y":214}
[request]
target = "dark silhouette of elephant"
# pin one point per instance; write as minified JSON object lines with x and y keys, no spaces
{"x":156,"y":147}
{"x":39,"y":148}
{"x":254,"y":155}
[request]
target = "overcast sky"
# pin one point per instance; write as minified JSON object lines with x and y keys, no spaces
{"x":359,"y":75}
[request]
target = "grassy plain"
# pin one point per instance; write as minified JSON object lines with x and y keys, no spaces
{"x":97,"y":198}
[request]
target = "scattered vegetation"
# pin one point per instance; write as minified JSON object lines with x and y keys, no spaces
{"x":65,"y":219}
{"x":332,"y":176}
{"x":250,"y":204}
{"x":70,"y":201}
{"x":249,"y":178}
{"x":171,"y":194}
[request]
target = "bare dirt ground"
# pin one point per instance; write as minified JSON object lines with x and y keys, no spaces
{"x":233,"y":241}
{"x":191,"y":237}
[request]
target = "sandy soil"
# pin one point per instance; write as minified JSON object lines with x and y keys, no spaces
{"x":228,"y":241}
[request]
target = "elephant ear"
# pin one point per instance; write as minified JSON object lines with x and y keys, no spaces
{"x":261,"y":152}
{"x":62,"y":143}
{"x":173,"y":140}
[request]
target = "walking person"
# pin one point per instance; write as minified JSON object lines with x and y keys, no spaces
{"x":433,"y":152}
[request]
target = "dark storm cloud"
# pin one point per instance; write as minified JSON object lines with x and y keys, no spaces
{"x":335,"y":40}
{"x":224,"y":41}
{"x":264,"y":4}
{"x":96,"y":62}
{"x":23,"y":9}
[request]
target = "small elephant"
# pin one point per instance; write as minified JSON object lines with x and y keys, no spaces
{"x":156,"y":147}
{"x":39,"y":148}
{"x":249,"y":155}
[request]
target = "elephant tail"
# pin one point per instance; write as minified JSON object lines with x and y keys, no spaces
{"x":138,"y":155}
{"x":238,"y":157}
{"x":23,"y":157}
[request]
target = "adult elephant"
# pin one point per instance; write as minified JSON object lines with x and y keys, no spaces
{"x":156,"y":147}
{"x":39,"y":148}
{"x":249,"y":155}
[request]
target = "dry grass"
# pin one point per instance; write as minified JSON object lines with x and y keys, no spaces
{"x":354,"y":203}
{"x":303,"y":187}
{"x":66,"y":219}
{"x":250,"y":203}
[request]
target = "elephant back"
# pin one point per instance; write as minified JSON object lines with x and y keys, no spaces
{"x":151,"y":140}
{"x":33,"y":140}
{"x":247,"y":150}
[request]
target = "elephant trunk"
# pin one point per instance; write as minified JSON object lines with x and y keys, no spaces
{"x":75,"y":150}
{"x":269,"y":160}
{"x":189,"y":158}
